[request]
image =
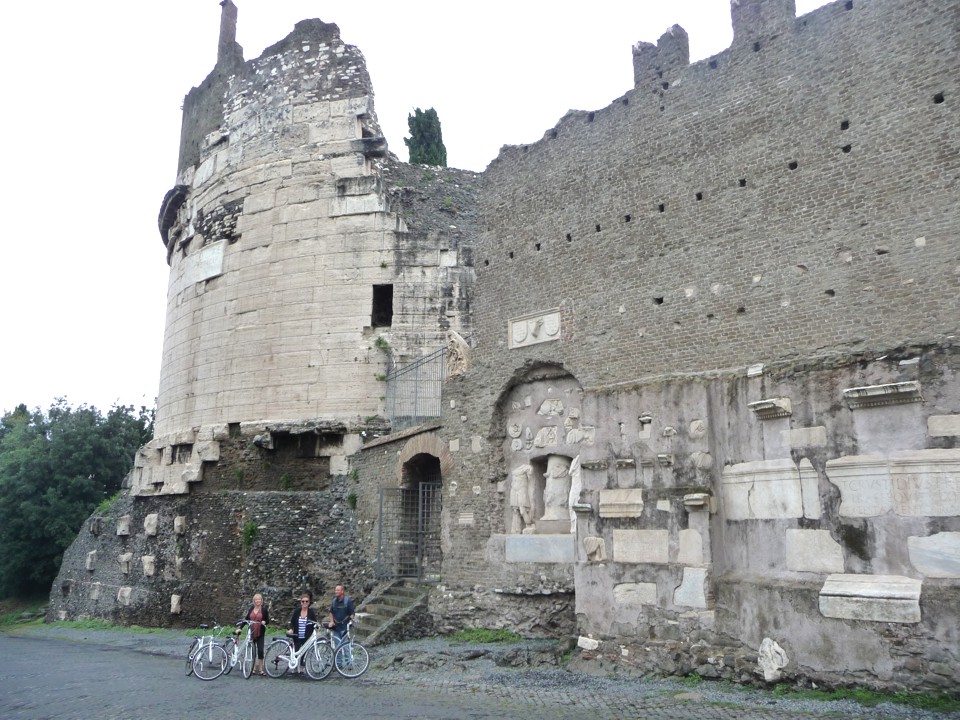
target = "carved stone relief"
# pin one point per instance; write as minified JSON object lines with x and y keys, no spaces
{"x":595,"y":548}
{"x":533,"y":329}
{"x":522,"y":488}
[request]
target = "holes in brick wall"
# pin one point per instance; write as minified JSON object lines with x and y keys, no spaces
{"x":510,"y":254}
{"x":676,"y":324}
{"x":743,"y":182}
{"x":382,"y":312}
{"x":849,"y":5}
{"x":598,"y":228}
{"x":711,"y":317}
{"x":881,"y":251}
{"x":665,"y":85}
{"x":741,"y":310}
{"x":627,"y":218}
{"x":844,"y":124}
{"x":590,"y":117}
{"x":658,"y":300}
{"x":662,"y":108}
{"x":793,"y":165}
{"x":699,"y":196}
{"x":486,"y":263}
{"x":661,"y":207}
{"x":537,"y":246}
{"x":938,"y":98}
{"x":830,"y":293}
{"x":847,"y":148}
{"x":553,"y":134}
{"x":569,"y":237}
{"x":756,"y":47}
{"x":712,"y":64}
{"x":524,"y":148}
{"x":625,"y":101}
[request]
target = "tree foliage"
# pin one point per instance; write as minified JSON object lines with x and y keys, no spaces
{"x":55,"y":468}
{"x":426,"y":141}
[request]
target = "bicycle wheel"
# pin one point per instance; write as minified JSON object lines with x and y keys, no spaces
{"x":351,"y":659}
{"x":210,"y":662}
{"x":319,"y":662}
{"x":246,"y":659}
{"x":276,"y":660}
{"x":190,"y":653}
{"x":230,"y":648}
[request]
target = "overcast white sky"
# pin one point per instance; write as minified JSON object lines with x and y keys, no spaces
{"x":92,"y":123}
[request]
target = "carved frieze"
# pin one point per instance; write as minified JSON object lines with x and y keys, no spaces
{"x":533,"y":329}
{"x":890,"y":394}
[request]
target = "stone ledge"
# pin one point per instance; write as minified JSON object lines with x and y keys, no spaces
{"x":877,"y":598}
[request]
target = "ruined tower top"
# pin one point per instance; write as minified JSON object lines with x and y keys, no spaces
{"x":228,"y":30}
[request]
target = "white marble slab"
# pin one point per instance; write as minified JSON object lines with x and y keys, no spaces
{"x":936,"y":555}
{"x":641,"y":546}
{"x":878,"y":598}
{"x":813,"y":551}
{"x":540,"y":549}
{"x":763,"y":490}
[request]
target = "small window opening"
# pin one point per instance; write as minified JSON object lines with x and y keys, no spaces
{"x":382,"y":315}
{"x":847,"y":148}
{"x":699,"y":196}
{"x":598,"y":228}
{"x":830,"y":293}
{"x":661,"y":207}
{"x":938,"y":98}
{"x":844,"y":124}
{"x":537,"y":246}
{"x":658,"y":301}
{"x":181,"y":453}
{"x":627,"y":218}
{"x":233,"y":430}
{"x":743,"y":182}
{"x":756,"y":47}
{"x":510,"y":254}
{"x":486,"y":263}
{"x":793,"y":165}
{"x":569,"y":237}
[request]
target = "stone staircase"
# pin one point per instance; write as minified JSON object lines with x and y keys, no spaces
{"x":394,"y":611}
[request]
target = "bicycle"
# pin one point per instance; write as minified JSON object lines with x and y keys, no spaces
{"x":241,"y":651}
{"x":350,"y":657}
{"x":206,"y":659}
{"x":315,"y":654}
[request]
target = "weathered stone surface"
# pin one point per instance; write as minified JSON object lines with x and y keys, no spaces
{"x":540,"y":548}
{"x":621,"y":503}
{"x":634,"y":595}
{"x":943,"y":425}
{"x":880,"y":598}
{"x":150,"y":524}
{"x":123,"y":525}
{"x":641,"y":546}
{"x":692,"y":591}
{"x":764,"y":489}
{"x":690,"y":547}
{"x":921,"y":483}
{"x":813,"y":551}
{"x":936,"y":555}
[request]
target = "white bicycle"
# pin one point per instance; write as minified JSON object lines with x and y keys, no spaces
{"x":315,"y":655}
{"x":241,"y":651}
{"x":206,"y":659}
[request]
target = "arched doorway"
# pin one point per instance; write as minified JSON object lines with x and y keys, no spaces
{"x":409,"y":527}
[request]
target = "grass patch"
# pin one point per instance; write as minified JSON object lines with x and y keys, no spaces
{"x":872,"y":698}
{"x":249,"y":534}
{"x":485,"y":635}
{"x":13,"y":609}
{"x":104,"y":507}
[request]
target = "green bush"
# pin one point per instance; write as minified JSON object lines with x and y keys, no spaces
{"x":486,"y":635}
{"x":249,"y":534}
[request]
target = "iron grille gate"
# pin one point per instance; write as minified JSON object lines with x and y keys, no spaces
{"x":409,"y":532}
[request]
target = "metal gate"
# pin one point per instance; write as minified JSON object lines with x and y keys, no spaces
{"x":408,"y":537}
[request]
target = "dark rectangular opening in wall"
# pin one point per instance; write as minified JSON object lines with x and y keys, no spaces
{"x":382,"y":315}
{"x":319,"y":445}
{"x":181,"y":453}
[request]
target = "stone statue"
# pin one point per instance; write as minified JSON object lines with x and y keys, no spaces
{"x":576,"y":485}
{"x":522,"y":490}
{"x":556,"y":492}
{"x":458,"y":354}
{"x":771,"y":659}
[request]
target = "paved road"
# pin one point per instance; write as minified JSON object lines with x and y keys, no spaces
{"x":106,"y":675}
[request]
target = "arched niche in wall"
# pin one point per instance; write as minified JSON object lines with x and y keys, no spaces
{"x":538,"y":434}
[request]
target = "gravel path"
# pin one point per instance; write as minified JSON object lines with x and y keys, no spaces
{"x":508,"y":676}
